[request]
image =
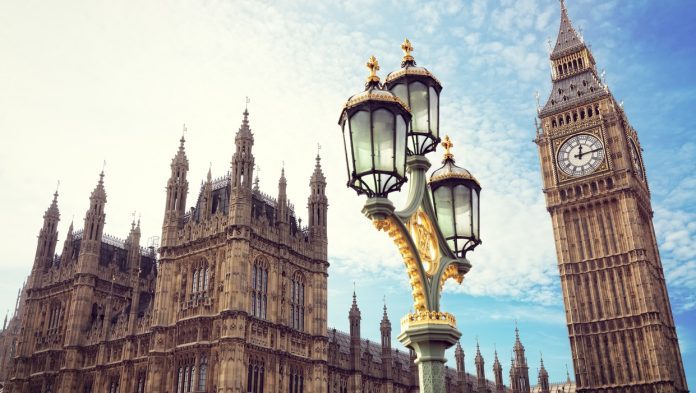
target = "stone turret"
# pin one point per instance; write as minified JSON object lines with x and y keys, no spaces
{"x":498,"y":374}
{"x":481,"y":383}
{"x":543,"y":378}
{"x":354,"y":320}
{"x":385,"y":331}
{"x":47,"y":240}
{"x":93,"y":229}
{"x":177,"y":190}
{"x":317,"y":206}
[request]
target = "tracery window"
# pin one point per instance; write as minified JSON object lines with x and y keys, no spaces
{"x":202,"y":373}
{"x":259,"y":289}
{"x":199,"y":280}
{"x":296,"y":380}
{"x":113,"y":385}
{"x":255,"y":375}
{"x":187,"y":372}
{"x":297,"y":302}
{"x":141,"y":383}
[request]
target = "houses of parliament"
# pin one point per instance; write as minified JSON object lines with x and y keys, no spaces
{"x":235,"y":299}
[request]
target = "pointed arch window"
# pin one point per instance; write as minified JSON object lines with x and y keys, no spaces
{"x":259,"y":288}
{"x":141,"y":383}
{"x":296,"y":380}
{"x":255,"y":375}
{"x":114,"y":385}
{"x":297,"y":302}
{"x":200,"y":280}
{"x":202,"y":373}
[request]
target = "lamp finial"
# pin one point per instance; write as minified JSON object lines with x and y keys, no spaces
{"x":407,"y":48}
{"x":447,"y":144}
{"x":373,"y":65}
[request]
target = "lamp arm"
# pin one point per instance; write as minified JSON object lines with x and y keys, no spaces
{"x":416,"y":166}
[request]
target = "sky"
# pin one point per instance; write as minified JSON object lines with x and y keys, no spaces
{"x":88,"y":82}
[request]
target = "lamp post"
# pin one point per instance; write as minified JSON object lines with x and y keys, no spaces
{"x":387,"y":131}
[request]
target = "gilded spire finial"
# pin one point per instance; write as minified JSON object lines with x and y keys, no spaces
{"x":447,"y":144}
{"x":407,"y":48}
{"x":373,"y":66}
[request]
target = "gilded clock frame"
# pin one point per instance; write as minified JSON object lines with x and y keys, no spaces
{"x":597,"y":130}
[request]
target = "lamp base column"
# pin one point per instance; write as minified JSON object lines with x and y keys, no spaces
{"x":430,"y":341}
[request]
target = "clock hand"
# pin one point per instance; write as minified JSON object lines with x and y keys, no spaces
{"x":579,"y":155}
{"x":592,"y":151}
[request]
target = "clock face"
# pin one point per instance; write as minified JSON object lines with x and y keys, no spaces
{"x":580,"y":155}
{"x":635,"y":158}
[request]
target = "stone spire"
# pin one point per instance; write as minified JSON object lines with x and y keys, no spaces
{"x":94,"y":218}
{"x":573,"y":71}
{"x":317,"y":207}
{"x":283,"y":211}
{"x":498,"y":374}
{"x":133,"y":244}
{"x":177,"y":190}
{"x":543,"y":378}
{"x":459,"y":360}
{"x":481,"y":382}
{"x":243,"y":159}
{"x":47,"y":239}
{"x":354,"y":320}
{"x":568,"y":381}
{"x":520,"y":383}
{"x":568,"y":39}
{"x":207,"y":204}
{"x":385,"y":331}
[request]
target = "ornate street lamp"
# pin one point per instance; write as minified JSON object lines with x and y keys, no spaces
{"x":456,"y":198}
{"x":375,"y":125}
{"x":433,"y":238}
{"x":418,"y":88}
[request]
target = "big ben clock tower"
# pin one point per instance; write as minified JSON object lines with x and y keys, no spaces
{"x":620,"y":322}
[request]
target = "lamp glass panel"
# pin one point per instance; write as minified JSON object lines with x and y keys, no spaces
{"x":369,"y":180}
{"x":434,"y":109}
{"x":383,"y":133}
{"x":400,"y":145}
{"x":400,"y":91}
{"x":462,"y":210}
{"x":419,"y":107}
{"x":444,"y":211}
{"x":362,"y":145}
{"x":347,"y":149}
{"x":475,"y":204}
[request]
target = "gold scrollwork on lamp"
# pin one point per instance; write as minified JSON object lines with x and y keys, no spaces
{"x":410,"y":260}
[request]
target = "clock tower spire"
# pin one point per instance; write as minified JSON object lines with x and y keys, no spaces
{"x":620,"y":322}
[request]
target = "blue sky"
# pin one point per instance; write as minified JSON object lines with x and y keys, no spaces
{"x":93,"y":81}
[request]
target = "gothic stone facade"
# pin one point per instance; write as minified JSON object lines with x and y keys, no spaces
{"x":620,"y":322}
{"x":236,"y":302}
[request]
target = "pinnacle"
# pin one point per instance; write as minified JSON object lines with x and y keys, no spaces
{"x":244,"y":129}
{"x":318,"y":175}
{"x":99,"y":191}
{"x":568,"y":37}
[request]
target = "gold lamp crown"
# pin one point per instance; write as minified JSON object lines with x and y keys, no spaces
{"x":407,"y":48}
{"x":373,"y":66}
